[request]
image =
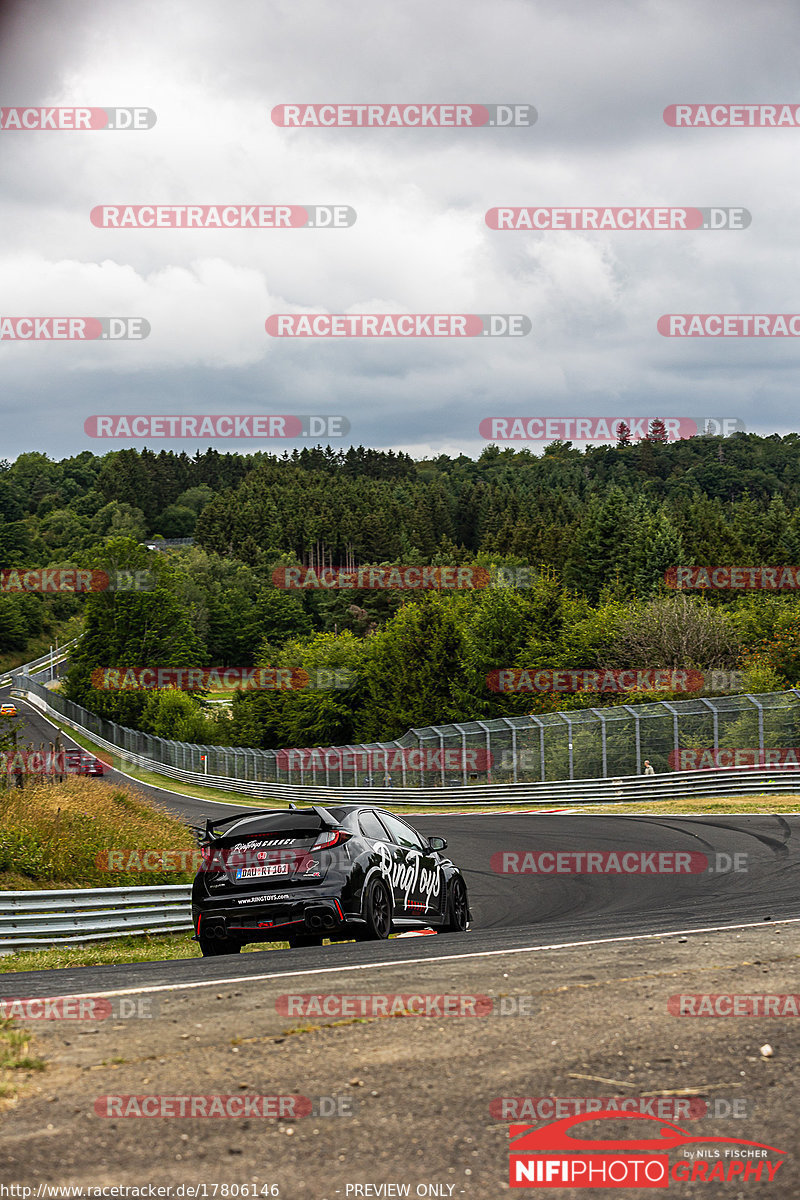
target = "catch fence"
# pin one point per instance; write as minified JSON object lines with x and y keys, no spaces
{"x":580,"y":744}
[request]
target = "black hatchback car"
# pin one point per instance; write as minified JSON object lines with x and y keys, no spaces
{"x":343,"y":872}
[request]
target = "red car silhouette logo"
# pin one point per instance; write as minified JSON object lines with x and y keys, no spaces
{"x":555,"y":1136}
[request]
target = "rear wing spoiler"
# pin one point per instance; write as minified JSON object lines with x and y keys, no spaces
{"x":212,"y":824}
{"x":327,"y":818}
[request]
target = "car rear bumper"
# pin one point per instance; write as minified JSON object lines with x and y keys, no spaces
{"x":319,"y":913}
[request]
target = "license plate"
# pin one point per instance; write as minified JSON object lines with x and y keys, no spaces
{"x":260,"y":872}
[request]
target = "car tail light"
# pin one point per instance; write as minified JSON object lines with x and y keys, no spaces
{"x":329,"y":838}
{"x":211,"y":859}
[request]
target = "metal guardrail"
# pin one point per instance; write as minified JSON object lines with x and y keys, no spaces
{"x":50,"y":918}
{"x":677,"y":785}
{"x":38,"y":664}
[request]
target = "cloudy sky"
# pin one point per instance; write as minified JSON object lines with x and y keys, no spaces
{"x":599,"y":77}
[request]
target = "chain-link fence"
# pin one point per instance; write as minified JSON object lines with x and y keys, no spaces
{"x":591,"y":743}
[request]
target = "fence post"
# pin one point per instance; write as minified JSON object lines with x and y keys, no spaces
{"x":760,"y":708}
{"x":564,"y":717}
{"x":488,"y":734}
{"x":638,"y":738}
{"x":674,"y":711}
{"x":598,"y":712}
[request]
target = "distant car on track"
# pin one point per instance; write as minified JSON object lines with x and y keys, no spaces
{"x":8,"y":710}
{"x":81,"y":763}
{"x":344,"y":872}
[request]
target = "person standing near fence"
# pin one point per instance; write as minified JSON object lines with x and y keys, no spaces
{"x":649,"y":769}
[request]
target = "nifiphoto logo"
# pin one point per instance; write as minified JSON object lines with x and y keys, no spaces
{"x":409,"y":115}
{"x":556,"y":1155}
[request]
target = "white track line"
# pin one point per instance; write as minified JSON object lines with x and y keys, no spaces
{"x":404,"y":962}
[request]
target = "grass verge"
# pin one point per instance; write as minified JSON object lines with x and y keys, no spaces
{"x":57,"y":835}
{"x":162,"y":947}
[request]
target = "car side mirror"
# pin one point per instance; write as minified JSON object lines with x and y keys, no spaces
{"x":437,"y":843}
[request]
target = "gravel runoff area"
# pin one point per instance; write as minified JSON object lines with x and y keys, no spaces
{"x":414,"y":1100}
